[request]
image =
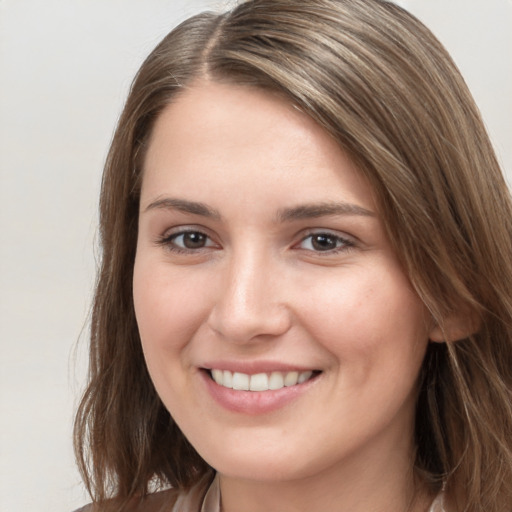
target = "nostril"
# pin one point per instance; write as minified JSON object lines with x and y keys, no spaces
{"x":242,"y":325}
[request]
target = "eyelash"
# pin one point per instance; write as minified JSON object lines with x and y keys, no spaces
{"x":342,"y":243}
{"x":168,"y":241}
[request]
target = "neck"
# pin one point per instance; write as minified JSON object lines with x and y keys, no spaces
{"x":383,"y":484}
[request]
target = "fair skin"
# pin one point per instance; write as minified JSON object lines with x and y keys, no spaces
{"x":261,"y":252}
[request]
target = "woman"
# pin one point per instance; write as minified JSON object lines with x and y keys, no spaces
{"x":304,"y":298}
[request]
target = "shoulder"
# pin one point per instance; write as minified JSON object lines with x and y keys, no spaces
{"x":157,"y":502}
{"x":170,"y":500}
{"x":87,"y":508}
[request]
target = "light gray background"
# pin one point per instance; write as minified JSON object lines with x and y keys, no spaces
{"x":65,"y":67}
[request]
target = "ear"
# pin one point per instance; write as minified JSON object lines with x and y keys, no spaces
{"x":454,"y":328}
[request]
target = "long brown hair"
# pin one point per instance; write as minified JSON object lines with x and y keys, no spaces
{"x":381,"y":84}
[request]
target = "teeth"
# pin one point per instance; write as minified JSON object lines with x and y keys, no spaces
{"x":241,"y":381}
{"x":217,"y":375}
{"x":259,"y":381}
{"x":291,"y":379}
{"x":276,"y":380}
{"x":227,"y":378}
{"x":304,"y":376}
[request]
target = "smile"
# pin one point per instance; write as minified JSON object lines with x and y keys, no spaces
{"x":260,"y":381}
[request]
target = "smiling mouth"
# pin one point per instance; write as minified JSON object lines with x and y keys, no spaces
{"x":260,"y":381}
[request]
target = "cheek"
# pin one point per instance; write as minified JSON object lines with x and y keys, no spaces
{"x":169,"y":307}
{"x":373,"y":321}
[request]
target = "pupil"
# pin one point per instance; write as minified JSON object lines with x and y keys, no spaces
{"x":194,"y":240}
{"x":324,"y":242}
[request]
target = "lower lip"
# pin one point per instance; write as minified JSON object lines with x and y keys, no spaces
{"x":254,"y":402}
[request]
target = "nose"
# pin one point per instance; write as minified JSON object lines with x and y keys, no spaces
{"x":250,"y":302}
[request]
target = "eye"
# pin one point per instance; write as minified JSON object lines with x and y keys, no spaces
{"x":325,"y":242}
{"x":190,"y":240}
{"x":186,"y":241}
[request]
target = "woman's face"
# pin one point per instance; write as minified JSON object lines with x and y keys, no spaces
{"x":278,"y":327}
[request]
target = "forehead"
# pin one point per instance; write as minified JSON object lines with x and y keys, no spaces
{"x":240,"y":116}
{"x":222,"y":138}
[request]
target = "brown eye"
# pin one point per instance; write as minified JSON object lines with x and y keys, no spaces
{"x":194,"y":240}
{"x":325,"y":242}
{"x":187,"y":241}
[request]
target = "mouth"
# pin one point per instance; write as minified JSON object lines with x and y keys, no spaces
{"x":258,"y":382}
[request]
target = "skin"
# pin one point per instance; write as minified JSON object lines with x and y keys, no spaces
{"x":259,"y":288}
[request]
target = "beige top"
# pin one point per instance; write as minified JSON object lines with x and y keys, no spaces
{"x":437,"y":504}
{"x":193,"y":501}
{"x":197,"y":501}
{"x":200,"y":498}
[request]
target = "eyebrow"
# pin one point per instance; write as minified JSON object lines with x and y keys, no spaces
{"x":182,"y":205}
{"x":315,"y":210}
{"x":300,"y":212}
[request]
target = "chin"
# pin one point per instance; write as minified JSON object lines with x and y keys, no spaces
{"x":263,"y":465}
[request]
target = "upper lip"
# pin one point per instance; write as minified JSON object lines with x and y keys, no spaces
{"x":254,"y":367}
